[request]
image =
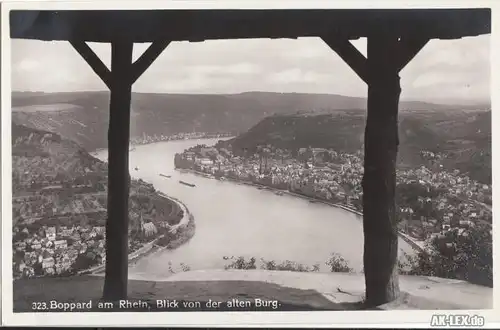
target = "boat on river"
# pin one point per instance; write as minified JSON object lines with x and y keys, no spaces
{"x":279,"y":193}
{"x":165,"y":176}
{"x":136,"y":168}
{"x":187,"y":184}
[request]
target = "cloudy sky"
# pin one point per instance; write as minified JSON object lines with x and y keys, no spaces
{"x":445,"y":71}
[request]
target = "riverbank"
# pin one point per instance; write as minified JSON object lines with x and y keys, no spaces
{"x":184,"y":230}
{"x":415,"y":244}
{"x":133,"y":145}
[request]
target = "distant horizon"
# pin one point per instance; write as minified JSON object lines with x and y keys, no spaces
{"x":444,"y":72}
{"x":429,"y":101}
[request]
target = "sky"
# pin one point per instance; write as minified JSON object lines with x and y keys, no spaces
{"x":445,"y":71}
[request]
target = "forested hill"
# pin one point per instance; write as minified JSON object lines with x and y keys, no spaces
{"x":83,"y":116}
{"x":463,"y":136}
{"x":39,"y":155}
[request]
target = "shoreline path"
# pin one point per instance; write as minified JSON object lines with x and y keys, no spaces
{"x":150,"y":246}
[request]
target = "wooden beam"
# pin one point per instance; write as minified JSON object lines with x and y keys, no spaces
{"x":346,"y":50}
{"x":379,"y":180}
{"x":408,"y":48}
{"x":147,"y":58}
{"x":93,"y":60}
{"x":116,"y":277}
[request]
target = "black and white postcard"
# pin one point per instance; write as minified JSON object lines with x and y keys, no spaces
{"x":247,"y":163}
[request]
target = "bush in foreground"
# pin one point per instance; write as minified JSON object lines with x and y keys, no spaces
{"x":335,"y":263}
{"x":288,"y":265}
{"x":464,"y":254}
{"x":241,"y":263}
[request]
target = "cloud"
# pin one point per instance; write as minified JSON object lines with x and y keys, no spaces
{"x":458,"y":69}
{"x":296,"y":75}
{"x":27,"y":65}
{"x":231,"y":69}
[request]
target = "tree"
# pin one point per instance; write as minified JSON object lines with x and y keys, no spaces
{"x":305,"y":155}
{"x":266,"y":151}
{"x":84,"y":261}
{"x":37,"y":269}
{"x":20,"y":236}
{"x":260,"y":152}
{"x":281,"y":154}
{"x":459,"y":254}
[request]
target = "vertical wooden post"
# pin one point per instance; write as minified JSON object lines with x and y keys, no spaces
{"x":379,"y":181}
{"x":115,"y":283}
{"x":119,"y":80}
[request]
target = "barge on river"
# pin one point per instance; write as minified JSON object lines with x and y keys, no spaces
{"x":187,"y":184}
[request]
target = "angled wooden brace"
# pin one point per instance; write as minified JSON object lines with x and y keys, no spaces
{"x":147,"y":58}
{"x":408,"y":48}
{"x":93,"y":60}
{"x":346,"y":50}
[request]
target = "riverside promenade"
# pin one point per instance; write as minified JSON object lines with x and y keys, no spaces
{"x":417,"y":245}
{"x":151,"y":246}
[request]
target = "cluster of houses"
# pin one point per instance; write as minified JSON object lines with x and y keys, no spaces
{"x":145,"y":138}
{"x":336,"y":177}
{"x":54,"y":250}
{"x":454,"y":182}
{"x":46,"y":250}
{"x":460,"y":208}
{"x":339,"y":181}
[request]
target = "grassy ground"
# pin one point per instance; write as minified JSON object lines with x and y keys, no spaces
{"x":29,"y":293}
{"x":294,"y":291}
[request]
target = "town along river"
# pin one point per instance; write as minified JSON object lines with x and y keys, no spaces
{"x":240,"y":220}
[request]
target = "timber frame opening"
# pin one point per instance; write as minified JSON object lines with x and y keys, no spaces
{"x":394,"y":37}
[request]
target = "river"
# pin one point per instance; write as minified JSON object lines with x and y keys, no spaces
{"x":239,"y":220}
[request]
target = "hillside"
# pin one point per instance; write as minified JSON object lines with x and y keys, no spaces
{"x":69,"y":180}
{"x":39,"y":155}
{"x":83,"y":116}
{"x":59,"y":207}
{"x":464,"y":137}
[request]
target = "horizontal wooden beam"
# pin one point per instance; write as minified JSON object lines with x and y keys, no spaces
{"x":346,"y":50}
{"x":147,"y":58}
{"x":182,"y":25}
{"x":93,"y":61}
